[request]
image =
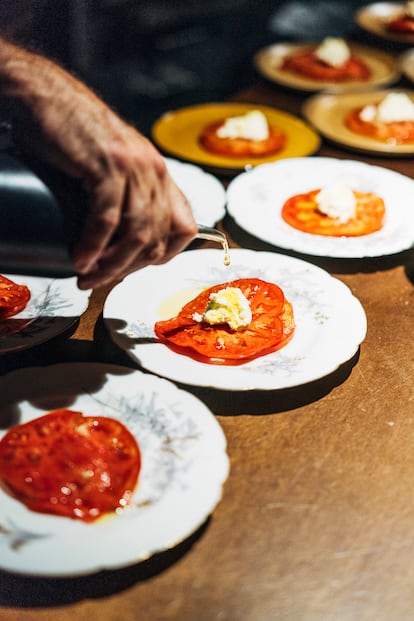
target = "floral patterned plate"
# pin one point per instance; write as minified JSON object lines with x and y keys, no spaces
{"x":184,"y":466}
{"x":255,"y":200}
{"x":330,"y":321}
{"x":54,"y":306}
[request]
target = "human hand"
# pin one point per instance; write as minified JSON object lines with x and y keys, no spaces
{"x":137,"y":215}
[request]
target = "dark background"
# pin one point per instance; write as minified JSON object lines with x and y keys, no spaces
{"x":147,"y":57}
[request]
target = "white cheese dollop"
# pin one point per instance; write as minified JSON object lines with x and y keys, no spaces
{"x":228,"y":305}
{"x":251,"y":126}
{"x":394,"y":107}
{"x":337,"y":201}
{"x":333,"y":51}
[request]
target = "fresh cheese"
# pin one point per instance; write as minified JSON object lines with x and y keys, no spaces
{"x":337,"y":201}
{"x":251,"y":126}
{"x":229,"y":306}
{"x":395,"y":107}
{"x":333,"y":51}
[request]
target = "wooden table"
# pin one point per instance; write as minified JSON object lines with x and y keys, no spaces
{"x":317,"y":517}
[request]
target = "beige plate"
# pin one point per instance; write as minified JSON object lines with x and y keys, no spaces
{"x":384,"y":68}
{"x":374,"y":17}
{"x":327,"y":112}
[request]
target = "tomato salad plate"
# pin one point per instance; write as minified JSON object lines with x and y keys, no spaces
{"x":178,"y":133}
{"x":376,"y":18}
{"x":183,"y":466}
{"x":328,"y":114}
{"x":269,"y":61}
{"x":204,"y":192}
{"x":329,"y":321}
{"x":255,"y":200}
{"x":54,"y":306}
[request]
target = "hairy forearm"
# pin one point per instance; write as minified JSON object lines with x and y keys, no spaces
{"x":28,"y":78}
{"x":24,"y":78}
{"x":45,"y":103}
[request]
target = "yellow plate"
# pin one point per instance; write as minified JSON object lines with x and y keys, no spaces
{"x":374,"y":18}
{"x":327,"y":113}
{"x":384,"y":68}
{"x":177,"y":132}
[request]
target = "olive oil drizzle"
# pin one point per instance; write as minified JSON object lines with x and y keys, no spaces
{"x":205,"y":232}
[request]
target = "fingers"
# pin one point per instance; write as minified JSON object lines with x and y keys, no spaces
{"x":183,"y":227}
{"x":155,"y":223}
{"x":103,"y":219}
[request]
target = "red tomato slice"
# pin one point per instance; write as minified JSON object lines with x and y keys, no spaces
{"x":242,"y":147}
{"x":301,"y":211}
{"x":13,"y":297}
{"x":271,"y":327}
{"x":394,"y":132}
{"x":72,"y":465}
{"x":403,"y":24}
{"x":306,"y":63}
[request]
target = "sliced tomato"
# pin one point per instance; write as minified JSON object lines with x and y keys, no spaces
{"x":72,"y":465}
{"x":301,"y":211}
{"x":271,"y":327}
{"x":307,"y":64}
{"x":403,"y":24}
{"x":242,"y":147}
{"x":13,"y":297}
{"x":394,"y":132}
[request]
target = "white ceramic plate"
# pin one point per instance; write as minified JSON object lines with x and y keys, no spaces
{"x":255,"y":200}
{"x":374,"y":19}
{"x":54,"y":306}
{"x":184,"y":465}
{"x":330,"y":322}
{"x":204,"y":192}
{"x":268,"y":61}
